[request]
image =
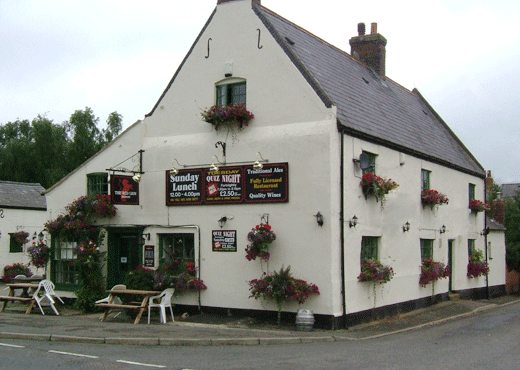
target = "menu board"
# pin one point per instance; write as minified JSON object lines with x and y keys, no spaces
{"x":149,"y":252}
{"x":229,"y":185}
{"x":224,"y":240}
{"x":124,"y":190}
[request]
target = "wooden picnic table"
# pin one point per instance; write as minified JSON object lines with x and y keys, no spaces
{"x":25,"y":296}
{"x":140,"y":307}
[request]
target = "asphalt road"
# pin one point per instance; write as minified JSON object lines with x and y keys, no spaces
{"x":488,"y":340}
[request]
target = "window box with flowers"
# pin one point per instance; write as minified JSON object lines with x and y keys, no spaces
{"x":433,"y":199}
{"x":431,"y":271}
{"x":228,"y":116}
{"x":375,"y":272}
{"x":476,"y":265}
{"x":377,"y":187}
{"x":477,"y":206}
{"x":259,"y":237}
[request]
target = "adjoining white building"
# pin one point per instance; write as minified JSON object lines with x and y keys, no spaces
{"x":317,"y":111}
{"x":22,"y":208}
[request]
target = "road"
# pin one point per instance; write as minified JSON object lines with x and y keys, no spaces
{"x":488,"y":340}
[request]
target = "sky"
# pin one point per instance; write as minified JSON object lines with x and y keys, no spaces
{"x":58,"y":56}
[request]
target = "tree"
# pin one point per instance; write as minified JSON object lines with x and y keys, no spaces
{"x":512,"y":224}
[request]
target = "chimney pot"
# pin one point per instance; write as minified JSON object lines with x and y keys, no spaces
{"x":374,"y":28}
{"x":361,"y":29}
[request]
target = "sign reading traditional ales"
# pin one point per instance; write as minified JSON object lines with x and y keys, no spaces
{"x":149,"y":251}
{"x":238,"y":184}
{"x":224,"y":241}
{"x":124,"y":190}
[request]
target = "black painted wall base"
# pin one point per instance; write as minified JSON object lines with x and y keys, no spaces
{"x":330,"y":322}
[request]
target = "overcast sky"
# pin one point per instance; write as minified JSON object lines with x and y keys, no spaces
{"x":58,"y":56}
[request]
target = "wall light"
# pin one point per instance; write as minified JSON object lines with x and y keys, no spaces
{"x":319,"y":218}
{"x":406,"y":226}
{"x":258,"y":163}
{"x":353,"y":222}
{"x":443,"y":229}
{"x":146,"y":236}
{"x":137,"y":178}
{"x":223,"y":219}
{"x":174,"y":171}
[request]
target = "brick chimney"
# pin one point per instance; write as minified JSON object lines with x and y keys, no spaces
{"x":370,"y":49}
{"x":256,"y":2}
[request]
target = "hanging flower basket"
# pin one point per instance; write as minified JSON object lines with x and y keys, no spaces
{"x":477,"y":206}
{"x":373,"y":271}
{"x":476,"y":265}
{"x":433,"y":199}
{"x":431,"y":271}
{"x":227,"y":116}
{"x":39,"y":253}
{"x":260,"y":237}
{"x":21,"y":237}
{"x":377,"y":187}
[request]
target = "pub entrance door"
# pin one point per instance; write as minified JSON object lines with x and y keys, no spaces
{"x":124,"y":253}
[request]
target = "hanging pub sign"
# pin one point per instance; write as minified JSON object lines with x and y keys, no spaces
{"x":124,"y":190}
{"x":149,"y":252}
{"x":224,"y":240}
{"x":229,"y":185}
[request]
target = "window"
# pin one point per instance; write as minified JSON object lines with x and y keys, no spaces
{"x":471,"y":191}
{"x":426,"y":249}
{"x":425,"y":180}
{"x":369,"y":248}
{"x":14,"y":246}
{"x":97,"y":183}
{"x":177,"y":247}
{"x":371,"y":159}
{"x":231,"y":94}
{"x":63,"y":271}
{"x":471,"y":246}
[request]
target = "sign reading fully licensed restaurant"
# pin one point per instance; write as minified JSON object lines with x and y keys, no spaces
{"x":229,"y":185}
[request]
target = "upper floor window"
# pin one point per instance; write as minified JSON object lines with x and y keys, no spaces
{"x":471,"y":191}
{"x":232,"y":93}
{"x":426,"y":249}
{"x":425,"y":180}
{"x":370,"y":166}
{"x":369,"y":248}
{"x":97,"y":183}
{"x":471,"y":246}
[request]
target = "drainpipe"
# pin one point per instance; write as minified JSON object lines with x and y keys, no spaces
{"x":342,"y":230}
{"x":486,"y":231}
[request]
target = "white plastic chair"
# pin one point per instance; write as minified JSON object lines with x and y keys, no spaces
{"x":162,"y":301}
{"x":46,"y":290}
{"x":116,"y":299}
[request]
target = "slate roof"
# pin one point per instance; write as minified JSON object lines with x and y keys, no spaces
{"x":369,"y":107}
{"x":492,"y":224}
{"x":509,"y":190}
{"x":22,"y":195}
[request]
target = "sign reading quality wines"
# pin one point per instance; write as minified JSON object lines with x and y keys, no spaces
{"x":229,"y":185}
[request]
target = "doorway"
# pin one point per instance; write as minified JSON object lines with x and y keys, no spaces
{"x":124,"y":253}
{"x":450,"y":264}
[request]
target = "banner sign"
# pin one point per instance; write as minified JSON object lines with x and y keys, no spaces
{"x":149,"y":251}
{"x":124,"y":190}
{"x":224,"y":240}
{"x":229,"y":185}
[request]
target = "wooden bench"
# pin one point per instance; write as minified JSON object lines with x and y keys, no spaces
{"x":6,"y":299}
{"x":119,"y":306}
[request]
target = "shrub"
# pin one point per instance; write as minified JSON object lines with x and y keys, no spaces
{"x":10,"y":271}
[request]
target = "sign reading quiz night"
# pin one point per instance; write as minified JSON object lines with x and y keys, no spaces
{"x":229,"y":185}
{"x":224,"y":240}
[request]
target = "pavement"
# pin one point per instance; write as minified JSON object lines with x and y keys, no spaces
{"x":212,"y":330}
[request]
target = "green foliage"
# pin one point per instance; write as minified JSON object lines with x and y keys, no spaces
{"x":43,"y":152}
{"x":10,"y":272}
{"x":512,"y":224}
{"x":141,"y":278}
{"x":92,"y":286}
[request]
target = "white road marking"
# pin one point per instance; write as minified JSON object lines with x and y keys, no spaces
{"x":72,"y":354}
{"x":139,"y":363}
{"x":11,"y":345}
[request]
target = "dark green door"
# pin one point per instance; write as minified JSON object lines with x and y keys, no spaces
{"x":450,"y":262}
{"x":124,"y":254}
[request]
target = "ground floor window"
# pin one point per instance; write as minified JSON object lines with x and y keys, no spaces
{"x":63,"y":271}
{"x":369,"y":248}
{"x":14,"y":245}
{"x":176,"y":247}
{"x":427,"y":249}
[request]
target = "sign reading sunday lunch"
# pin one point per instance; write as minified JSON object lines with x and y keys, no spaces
{"x":230,"y":185}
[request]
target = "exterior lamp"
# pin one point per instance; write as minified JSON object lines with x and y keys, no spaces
{"x":406,"y":226}
{"x":174,"y":171}
{"x":213,"y":168}
{"x":41,"y":235}
{"x":319,"y":218}
{"x":353,"y":221}
{"x":258,"y":163}
{"x":443,"y":229}
{"x":223,"y":219}
{"x":137,"y":178}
